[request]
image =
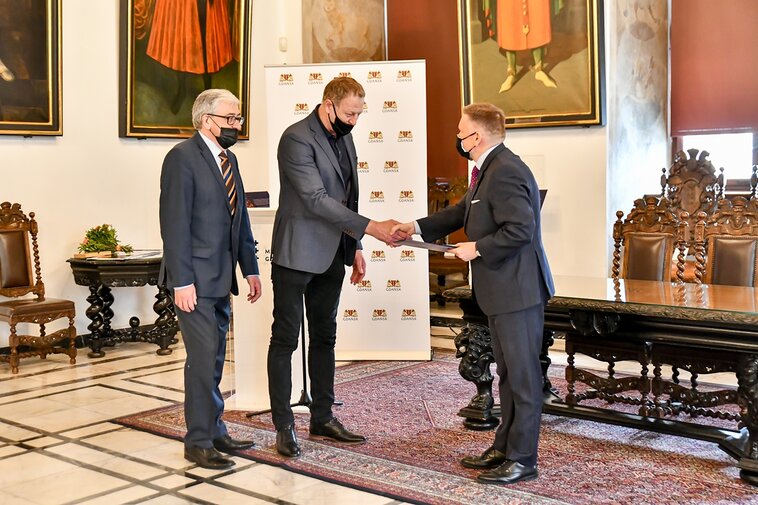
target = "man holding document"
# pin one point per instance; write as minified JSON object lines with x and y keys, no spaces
{"x":511,"y":283}
{"x":317,"y":231}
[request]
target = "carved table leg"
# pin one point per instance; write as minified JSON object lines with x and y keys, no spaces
{"x":747,"y":379}
{"x":474,"y":347}
{"x":96,"y":326}
{"x":107,"y":299}
{"x":165,"y":323}
{"x":547,"y":340}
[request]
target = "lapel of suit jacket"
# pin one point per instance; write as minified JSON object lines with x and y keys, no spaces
{"x":211,"y":165}
{"x":472,"y":192}
{"x":321,"y":140}
{"x":350,"y":147}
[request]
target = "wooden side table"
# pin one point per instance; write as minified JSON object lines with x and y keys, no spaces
{"x":100,"y":275}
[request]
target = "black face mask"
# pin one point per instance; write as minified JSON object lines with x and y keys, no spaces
{"x":340,"y":127}
{"x":228,"y":136}
{"x":459,"y":147}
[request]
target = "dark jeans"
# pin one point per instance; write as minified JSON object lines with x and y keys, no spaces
{"x":322,"y":296}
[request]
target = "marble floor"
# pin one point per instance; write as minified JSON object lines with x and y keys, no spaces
{"x":57,"y":444}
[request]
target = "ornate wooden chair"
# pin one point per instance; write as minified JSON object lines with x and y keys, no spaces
{"x":645,"y":240}
{"x":726,"y":252}
{"x":17,"y":280}
{"x":445,"y":273}
{"x":692,"y":185}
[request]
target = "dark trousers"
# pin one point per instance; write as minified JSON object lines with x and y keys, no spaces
{"x":516,"y":344}
{"x":322,"y":296}
{"x":204,"y":335}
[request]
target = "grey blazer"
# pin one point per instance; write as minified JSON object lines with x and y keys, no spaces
{"x":502,"y":215}
{"x":314,"y":205}
{"x":202,"y":244}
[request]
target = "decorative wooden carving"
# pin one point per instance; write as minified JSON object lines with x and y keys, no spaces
{"x":692,"y":184}
{"x":474,"y":346}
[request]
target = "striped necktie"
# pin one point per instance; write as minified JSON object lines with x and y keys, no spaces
{"x":226,"y":173}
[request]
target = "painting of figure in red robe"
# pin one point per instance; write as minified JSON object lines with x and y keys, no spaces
{"x":30,"y":92}
{"x":539,"y":60}
{"x":171,"y":51}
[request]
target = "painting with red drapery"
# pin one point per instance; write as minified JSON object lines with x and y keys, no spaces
{"x":171,"y":51}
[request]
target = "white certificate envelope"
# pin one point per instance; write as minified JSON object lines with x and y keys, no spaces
{"x":426,"y":245}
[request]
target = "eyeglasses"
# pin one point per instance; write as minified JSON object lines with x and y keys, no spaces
{"x":231,"y":119}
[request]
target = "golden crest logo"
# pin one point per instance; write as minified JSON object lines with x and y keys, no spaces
{"x":391,"y":166}
{"x":365,"y":107}
{"x":379,"y":315}
{"x":315,"y":78}
{"x":350,"y":315}
{"x":345,"y":74}
{"x":393,"y":285}
{"x":301,"y":109}
{"x":406,"y":196}
{"x":376,"y":196}
{"x":404,"y":76}
{"x":374,"y":76}
{"x":407,"y":255}
{"x":405,"y":136}
{"x":286,"y":80}
{"x":389,"y":106}
{"x":364,"y":285}
{"x":375,"y":136}
{"x":378,"y":256}
{"x":363,"y":167}
{"x":408,"y":315}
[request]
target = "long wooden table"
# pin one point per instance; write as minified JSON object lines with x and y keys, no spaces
{"x":663,"y":326}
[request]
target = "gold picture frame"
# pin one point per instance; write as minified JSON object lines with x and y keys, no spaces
{"x":30,"y":68}
{"x":541,"y":61}
{"x":171,"y":50}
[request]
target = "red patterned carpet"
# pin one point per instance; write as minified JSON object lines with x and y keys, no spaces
{"x":408,"y":411}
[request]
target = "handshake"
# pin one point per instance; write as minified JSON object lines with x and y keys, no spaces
{"x":390,"y":231}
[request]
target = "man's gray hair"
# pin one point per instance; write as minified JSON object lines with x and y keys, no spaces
{"x":207,"y":101}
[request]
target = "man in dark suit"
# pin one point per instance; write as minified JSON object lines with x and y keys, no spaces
{"x":206,"y":233}
{"x":511,"y":283}
{"x":317,"y":231}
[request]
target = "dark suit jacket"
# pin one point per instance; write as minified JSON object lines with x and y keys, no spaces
{"x":315,"y":208}
{"x":502,"y":215}
{"x":202,"y":244}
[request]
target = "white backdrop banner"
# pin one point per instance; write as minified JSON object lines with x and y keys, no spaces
{"x":386,"y":316}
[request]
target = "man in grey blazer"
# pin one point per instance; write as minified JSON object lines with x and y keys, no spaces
{"x":317,"y":231}
{"x":206,"y":233}
{"x":511,"y":283}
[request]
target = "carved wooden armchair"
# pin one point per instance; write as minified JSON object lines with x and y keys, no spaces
{"x":692,"y":185}
{"x":445,"y":273}
{"x":726,"y":252}
{"x":645,"y":240}
{"x":17,"y":280}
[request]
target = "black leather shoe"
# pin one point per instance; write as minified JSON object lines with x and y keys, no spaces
{"x":228,"y":444}
{"x":335,"y":431}
{"x":286,"y":442}
{"x":509,"y":472}
{"x":207,"y":458}
{"x":491,"y":458}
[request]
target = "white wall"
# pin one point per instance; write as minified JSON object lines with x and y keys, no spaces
{"x":90,"y":176}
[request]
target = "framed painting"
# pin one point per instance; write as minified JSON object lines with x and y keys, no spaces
{"x":339,"y":31}
{"x":30,"y":67}
{"x":171,"y":50}
{"x":541,"y":61}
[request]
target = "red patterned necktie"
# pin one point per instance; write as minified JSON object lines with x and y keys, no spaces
{"x":226,"y":173}
{"x":474,"y":178}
